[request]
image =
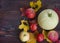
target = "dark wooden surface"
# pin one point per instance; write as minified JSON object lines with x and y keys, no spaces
{"x":10,"y":18}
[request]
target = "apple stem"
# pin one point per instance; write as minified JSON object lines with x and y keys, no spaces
{"x":24,"y":34}
{"x":49,"y":14}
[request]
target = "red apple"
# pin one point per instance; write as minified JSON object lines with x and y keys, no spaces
{"x":40,"y":37}
{"x":53,"y":36}
{"x":33,"y":27}
{"x":30,"y":13}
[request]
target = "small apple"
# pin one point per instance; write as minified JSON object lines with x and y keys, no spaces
{"x":33,"y":27}
{"x":30,"y":13}
{"x":48,"y":19}
{"x":40,"y":37}
{"x":24,"y":36}
{"x":53,"y":35}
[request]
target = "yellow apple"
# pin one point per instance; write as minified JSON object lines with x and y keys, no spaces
{"x":24,"y":36}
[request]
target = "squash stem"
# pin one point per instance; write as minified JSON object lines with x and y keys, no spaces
{"x":49,"y":14}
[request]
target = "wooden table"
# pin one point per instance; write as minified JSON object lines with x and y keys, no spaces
{"x":10,"y":17}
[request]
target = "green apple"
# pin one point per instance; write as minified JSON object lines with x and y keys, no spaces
{"x":48,"y":19}
{"x":24,"y":36}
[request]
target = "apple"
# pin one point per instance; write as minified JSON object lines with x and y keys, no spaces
{"x":24,"y":36}
{"x":48,"y":19}
{"x":40,"y":37}
{"x":30,"y":13}
{"x":53,"y":35}
{"x":33,"y":27}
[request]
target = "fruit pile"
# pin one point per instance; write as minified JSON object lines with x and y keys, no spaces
{"x":47,"y":19}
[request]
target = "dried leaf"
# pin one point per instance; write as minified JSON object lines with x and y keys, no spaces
{"x":32,"y":39}
{"x":45,"y":36}
{"x":23,"y":26}
{"x":36,"y":5}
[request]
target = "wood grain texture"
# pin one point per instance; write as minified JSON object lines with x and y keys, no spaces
{"x":10,"y":17}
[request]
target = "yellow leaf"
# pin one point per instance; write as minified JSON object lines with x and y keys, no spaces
{"x":32,"y":41}
{"x":26,"y":28}
{"x":23,"y":26}
{"x":32,"y":38}
{"x":45,"y":36}
{"x":36,"y":5}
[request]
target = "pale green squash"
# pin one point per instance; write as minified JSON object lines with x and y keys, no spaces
{"x":48,"y":19}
